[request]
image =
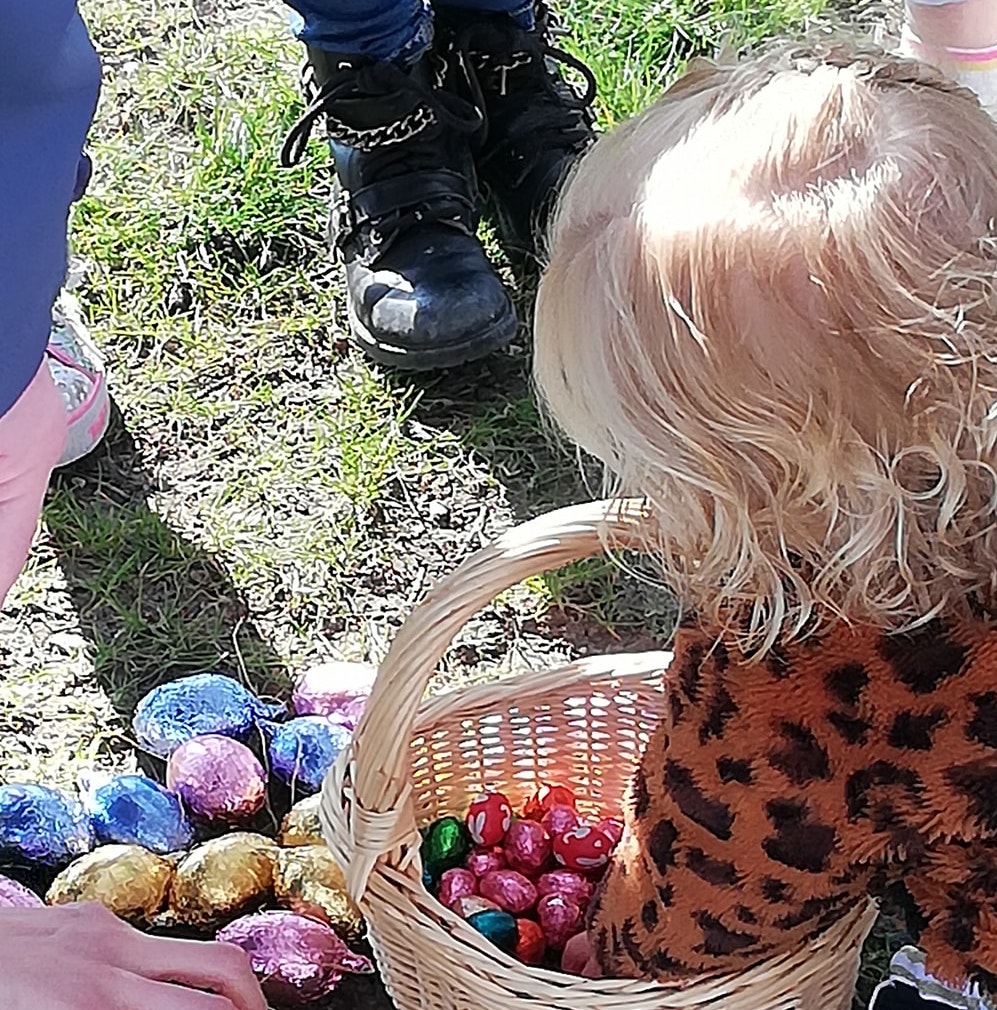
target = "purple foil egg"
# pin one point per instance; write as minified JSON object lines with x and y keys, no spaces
{"x":302,"y":750}
{"x":334,"y":689}
{"x":192,"y":706}
{"x":15,"y":895}
{"x":483,"y":861}
{"x":217,"y":779}
{"x":569,"y":884}
{"x":297,"y":960}
{"x":41,"y":826}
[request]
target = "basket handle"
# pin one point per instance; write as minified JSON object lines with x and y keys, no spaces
{"x":381,"y":816}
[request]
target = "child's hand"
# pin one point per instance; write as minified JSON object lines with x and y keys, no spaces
{"x":82,"y":957}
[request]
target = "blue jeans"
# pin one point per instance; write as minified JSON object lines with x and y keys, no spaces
{"x":384,"y":29}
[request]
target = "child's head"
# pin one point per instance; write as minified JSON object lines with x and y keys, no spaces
{"x":771,"y":308}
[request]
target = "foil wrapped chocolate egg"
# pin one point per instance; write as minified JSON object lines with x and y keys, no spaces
{"x":527,"y":848}
{"x":42,"y":826}
{"x":510,"y":890}
{"x":559,"y":918}
{"x":498,"y":926}
{"x":134,"y":810}
{"x":545,"y":798}
{"x":15,"y":895}
{"x":223,"y":878}
{"x":470,"y":904}
{"x":569,"y":884}
{"x":194,"y":706}
{"x":558,"y":819}
{"x":454,"y":884}
{"x":483,"y":861}
{"x":531,"y":944}
{"x":613,"y":827}
{"x":309,"y":881}
{"x":217,"y":778}
{"x":130,"y":881}
{"x":302,"y":825}
{"x":334,"y":689}
{"x":445,"y":845}
{"x":297,"y":960}
{"x":302,"y":750}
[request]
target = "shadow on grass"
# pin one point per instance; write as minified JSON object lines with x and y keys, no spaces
{"x":155,"y":605}
{"x":491,"y":407}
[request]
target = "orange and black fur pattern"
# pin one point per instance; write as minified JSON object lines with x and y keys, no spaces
{"x":777,"y":794}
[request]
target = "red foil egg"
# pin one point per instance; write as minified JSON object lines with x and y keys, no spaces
{"x":527,"y":848}
{"x":510,"y":890}
{"x":559,"y":918}
{"x":569,"y":884}
{"x":532,"y":943}
{"x":583,"y":848}
{"x":612,"y":827}
{"x":545,"y":798}
{"x":456,"y":884}
{"x":558,"y":819}
{"x":471,"y":903}
{"x":483,"y":861}
{"x":488,"y":819}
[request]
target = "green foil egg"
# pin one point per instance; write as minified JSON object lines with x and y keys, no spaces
{"x":497,"y":926}
{"x":445,"y":846}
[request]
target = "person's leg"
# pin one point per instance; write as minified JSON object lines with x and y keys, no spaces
{"x":32,"y":434}
{"x":521,"y":10}
{"x":538,"y":125}
{"x":382,"y":29}
{"x":960,"y":38}
{"x":420,"y":290}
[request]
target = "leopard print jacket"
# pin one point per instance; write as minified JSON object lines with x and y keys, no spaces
{"x":775,"y":795}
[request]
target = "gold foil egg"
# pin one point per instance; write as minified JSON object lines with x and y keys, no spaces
{"x":308,"y":881}
{"x":223,"y":878}
{"x":130,"y":881}
{"x":302,"y":825}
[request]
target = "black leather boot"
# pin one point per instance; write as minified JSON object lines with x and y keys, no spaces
{"x":420,"y":290}
{"x":536,"y":124}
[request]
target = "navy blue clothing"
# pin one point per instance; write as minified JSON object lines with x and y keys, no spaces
{"x":49,"y":81}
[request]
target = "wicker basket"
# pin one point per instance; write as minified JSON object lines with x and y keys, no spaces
{"x":582,"y":725}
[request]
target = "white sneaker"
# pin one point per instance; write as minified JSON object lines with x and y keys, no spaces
{"x":77,"y":369}
{"x":908,"y":966}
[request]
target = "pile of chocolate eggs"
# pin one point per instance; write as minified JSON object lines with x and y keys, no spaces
{"x":201,"y":852}
{"x":523,"y":882}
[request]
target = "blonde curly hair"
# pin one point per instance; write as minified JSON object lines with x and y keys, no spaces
{"x":771,"y":308}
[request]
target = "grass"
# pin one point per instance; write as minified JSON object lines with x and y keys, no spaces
{"x":266,"y":496}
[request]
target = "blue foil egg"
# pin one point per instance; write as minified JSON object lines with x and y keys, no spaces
{"x":302,"y":750}
{"x":174,"y":713}
{"x":42,"y":826}
{"x":497,"y":926}
{"x":134,"y":810}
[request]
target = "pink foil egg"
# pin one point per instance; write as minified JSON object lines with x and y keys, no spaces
{"x":488,"y":819}
{"x":510,"y":890}
{"x":559,"y":918}
{"x":217,"y":779}
{"x":483,"y":861}
{"x":297,"y":960}
{"x":15,"y":895}
{"x":583,"y":848}
{"x":527,"y":848}
{"x":456,"y":884}
{"x":558,"y":819}
{"x":334,"y":689}
{"x":569,"y":884}
{"x":613,"y":827}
